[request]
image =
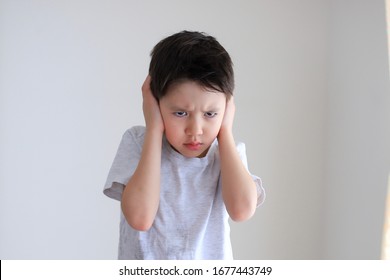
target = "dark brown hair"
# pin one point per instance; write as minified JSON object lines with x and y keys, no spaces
{"x":193,"y":56}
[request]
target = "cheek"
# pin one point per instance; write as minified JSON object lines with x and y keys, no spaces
{"x":213,"y":129}
{"x":218,"y":122}
{"x":167,"y":121}
{"x":172,"y":129}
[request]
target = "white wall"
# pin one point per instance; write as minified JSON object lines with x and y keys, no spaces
{"x":70,"y":77}
{"x":358,"y":158}
{"x":281,"y":107}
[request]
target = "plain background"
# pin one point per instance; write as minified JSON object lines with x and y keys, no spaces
{"x":313,"y":107}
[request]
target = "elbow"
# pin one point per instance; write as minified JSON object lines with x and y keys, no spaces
{"x":140,"y":226}
{"x":241,"y":216}
{"x":137,"y":221}
{"x":243,"y":213}
{"x":240,"y":210}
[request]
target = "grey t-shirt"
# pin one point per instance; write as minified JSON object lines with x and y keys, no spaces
{"x":191,"y":221}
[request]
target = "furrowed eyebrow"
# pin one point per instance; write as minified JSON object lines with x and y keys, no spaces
{"x":212,"y":109}
{"x":178,"y":109}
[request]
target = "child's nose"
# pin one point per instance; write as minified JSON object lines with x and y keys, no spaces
{"x":194,"y":128}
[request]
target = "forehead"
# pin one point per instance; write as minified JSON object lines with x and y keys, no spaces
{"x":190,"y":93}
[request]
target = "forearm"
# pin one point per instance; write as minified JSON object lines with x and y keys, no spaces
{"x":238,"y":187}
{"x":140,"y":198}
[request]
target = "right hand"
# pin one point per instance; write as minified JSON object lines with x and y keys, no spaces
{"x":151,"y":109}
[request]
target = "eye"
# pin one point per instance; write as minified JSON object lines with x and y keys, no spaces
{"x":210,"y":114}
{"x":180,"y":114}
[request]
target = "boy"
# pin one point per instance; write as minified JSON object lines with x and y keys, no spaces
{"x":182,"y":176}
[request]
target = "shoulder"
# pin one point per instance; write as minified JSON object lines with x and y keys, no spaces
{"x":241,"y":149}
{"x":135,"y":133}
{"x":240,"y":146}
{"x":133,"y":138}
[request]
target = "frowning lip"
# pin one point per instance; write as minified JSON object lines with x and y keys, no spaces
{"x":193,"y":145}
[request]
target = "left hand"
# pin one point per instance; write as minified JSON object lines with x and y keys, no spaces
{"x":151,"y":109}
{"x":228,"y":118}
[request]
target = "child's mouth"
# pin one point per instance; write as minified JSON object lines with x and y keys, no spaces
{"x":193,"y":145}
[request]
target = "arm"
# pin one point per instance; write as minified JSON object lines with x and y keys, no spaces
{"x":238,"y":187}
{"x":141,"y":196}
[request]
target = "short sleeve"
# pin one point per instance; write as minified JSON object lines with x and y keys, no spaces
{"x":259,"y":186}
{"x":125,"y":162}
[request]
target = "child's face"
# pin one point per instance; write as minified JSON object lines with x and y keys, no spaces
{"x":192,"y":117}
